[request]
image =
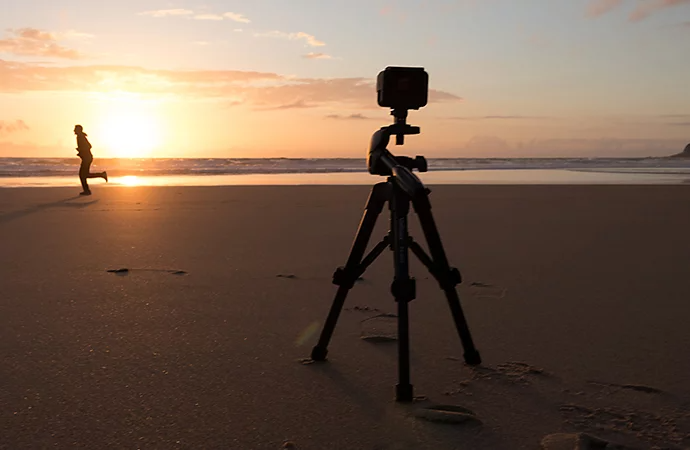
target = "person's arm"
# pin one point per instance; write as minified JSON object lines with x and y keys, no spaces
{"x":83,"y":144}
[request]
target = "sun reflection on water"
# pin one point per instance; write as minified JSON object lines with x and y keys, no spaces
{"x":130,"y":180}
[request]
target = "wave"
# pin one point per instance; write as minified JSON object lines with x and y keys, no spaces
{"x":49,"y":167}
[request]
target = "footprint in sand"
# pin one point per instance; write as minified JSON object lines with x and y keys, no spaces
{"x":669,"y":427}
{"x":451,"y":414}
{"x":381,"y":328}
{"x":501,"y":378}
{"x":481,"y":290}
{"x":620,"y":415}
{"x":579,"y":441}
{"x":632,"y":412}
{"x":510,"y":373}
{"x":125,"y":271}
{"x":632,"y":387}
{"x":363,"y":309}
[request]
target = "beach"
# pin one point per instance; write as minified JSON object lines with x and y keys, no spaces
{"x":576,"y":297}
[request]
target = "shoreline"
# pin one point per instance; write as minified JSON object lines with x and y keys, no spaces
{"x":620,"y":176}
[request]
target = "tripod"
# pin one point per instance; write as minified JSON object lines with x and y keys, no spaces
{"x":401,"y":189}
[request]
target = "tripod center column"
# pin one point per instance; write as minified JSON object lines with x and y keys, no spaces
{"x":403,"y":287}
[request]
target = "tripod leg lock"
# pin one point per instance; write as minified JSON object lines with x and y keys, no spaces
{"x":404,"y":290}
{"x":450,"y":279}
{"x":345,"y":277}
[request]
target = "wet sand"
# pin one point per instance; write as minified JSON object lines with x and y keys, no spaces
{"x":577,"y":298}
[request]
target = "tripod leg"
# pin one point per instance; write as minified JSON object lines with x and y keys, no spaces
{"x":403,"y":290}
{"x":345,"y":277}
{"x":447,"y":277}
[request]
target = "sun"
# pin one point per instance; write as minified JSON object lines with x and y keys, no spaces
{"x":130,"y":133}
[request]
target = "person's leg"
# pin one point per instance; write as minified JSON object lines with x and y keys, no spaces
{"x":84,"y":173}
{"x":103,"y":174}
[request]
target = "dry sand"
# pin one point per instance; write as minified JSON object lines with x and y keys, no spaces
{"x":578,"y":298}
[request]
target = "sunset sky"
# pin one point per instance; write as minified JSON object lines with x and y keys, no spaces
{"x":268,"y":78}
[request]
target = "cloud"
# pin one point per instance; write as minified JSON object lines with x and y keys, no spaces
{"x":12,"y":127}
{"x":650,"y":7}
{"x":188,"y":13}
{"x":497,"y":117}
{"x":316,"y":92}
{"x":394,"y":12}
{"x":511,"y":117}
{"x":494,"y":146}
{"x":358,"y":92}
{"x":300,"y":35}
{"x":255,"y":89}
{"x":603,"y":147}
{"x":236,"y":17}
{"x":208,"y":17}
{"x":441,"y":96}
{"x":308,"y":38}
{"x":167,"y":13}
{"x":598,"y":8}
{"x":356,"y":116}
{"x":72,"y":34}
{"x":33,"y":42}
{"x":644,"y":9}
{"x":299,"y":104}
{"x":312,"y":55}
{"x":20,"y":77}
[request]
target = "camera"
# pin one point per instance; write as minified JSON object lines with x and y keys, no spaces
{"x":403,"y":88}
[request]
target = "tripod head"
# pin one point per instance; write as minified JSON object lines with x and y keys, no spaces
{"x":380,"y":161}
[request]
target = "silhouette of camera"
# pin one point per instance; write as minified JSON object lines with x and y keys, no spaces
{"x":403,"y":88}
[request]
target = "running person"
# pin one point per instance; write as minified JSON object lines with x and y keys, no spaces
{"x":84,"y":152}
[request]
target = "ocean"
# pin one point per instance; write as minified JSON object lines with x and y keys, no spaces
{"x":37,"y":172}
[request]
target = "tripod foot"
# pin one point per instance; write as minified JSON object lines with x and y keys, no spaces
{"x":319,"y":353}
{"x":403,"y":393}
{"x":472,"y":358}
